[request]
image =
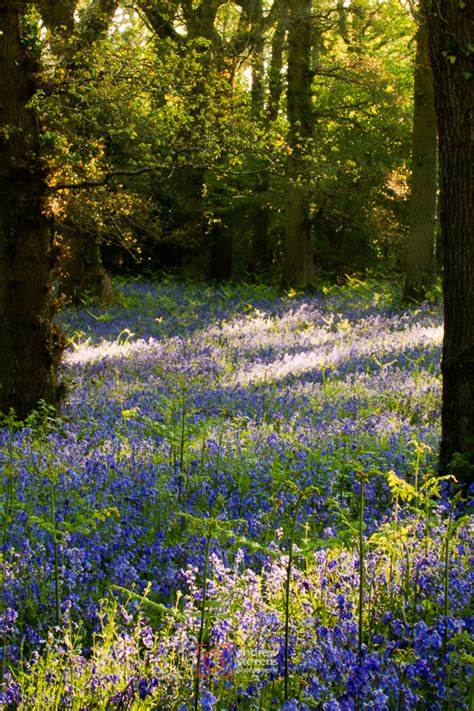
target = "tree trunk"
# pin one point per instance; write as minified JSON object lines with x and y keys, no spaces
{"x":218,"y":237}
{"x":221,"y":258}
{"x":222,"y":252}
{"x":58,"y":14}
{"x":260,"y":250}
{"x":259,"y":244}
{"x":451,"y":28}
{"x":28,"y":352}
{"x":298,"y":268}
{"x":420,"y":264}
{"x":83,"y":273}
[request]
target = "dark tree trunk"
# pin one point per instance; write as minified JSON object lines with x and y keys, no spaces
{"x":84,"y":274}
{"x":212,"y":240}
{"x":218,"y":236}
{"x":259,"y":244}
{"x":260,"y":250}
{"x":58,"y":14}
{"x":451,"y":28}
{"x":298,"y":268}
{"x":221,"y":258}
{"x":28,"y":352}
{"x":420,"y":264}
{"x":222,"y":253}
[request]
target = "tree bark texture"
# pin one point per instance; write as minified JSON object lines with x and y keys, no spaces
{"x":420,"y":264}
{"x":298,"y":269}
{"x":28,"y":352}
{"x":451,"y":28}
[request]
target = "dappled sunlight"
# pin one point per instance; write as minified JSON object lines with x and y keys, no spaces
{"x":269,"y":348}
{"x":84,"y":353}
{"x":342,"y":347}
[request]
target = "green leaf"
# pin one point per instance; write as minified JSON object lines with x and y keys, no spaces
{"x":157,"y":606}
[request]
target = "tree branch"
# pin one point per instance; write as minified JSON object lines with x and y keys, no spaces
{"x":105,"y":179}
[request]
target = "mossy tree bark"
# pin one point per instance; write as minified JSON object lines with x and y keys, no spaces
{"x":451,"y":31}
{"x":29,"y":343}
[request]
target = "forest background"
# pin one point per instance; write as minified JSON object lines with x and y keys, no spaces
{"x":292,"y":144}
{"x":227,"y":140}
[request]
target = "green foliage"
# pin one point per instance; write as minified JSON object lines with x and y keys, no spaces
{"x":164,"y":132}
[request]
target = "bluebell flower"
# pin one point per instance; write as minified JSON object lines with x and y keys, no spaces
{"x":291,"y":705}
{"x":208,"y":701}
{"x":426,"y":638}
{"x":7,"y":621}
{"x":332,"y":705}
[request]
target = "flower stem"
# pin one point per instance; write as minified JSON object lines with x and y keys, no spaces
{"x":287,"y":592}
{"x":361,"y":562}
{"x":197,"y":681}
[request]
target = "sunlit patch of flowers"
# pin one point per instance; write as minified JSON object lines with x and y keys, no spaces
{"x":148,"y":559}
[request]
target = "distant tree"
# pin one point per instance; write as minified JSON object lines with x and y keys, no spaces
{"x":420,"y":259}
{"x":451,"y":34}
{"x":298,"y":269}
{"x":158,"y":140}
{"x":259,"y":257}
{"x":29,"y":344}
{"x":362,"y":99}
{"x":82,"y":272}
{"x":265,"y":108}
{"x":200,"y":43}
{"x":216,"y":39}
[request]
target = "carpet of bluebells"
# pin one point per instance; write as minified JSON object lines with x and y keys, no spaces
{"x":238,"y":509}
